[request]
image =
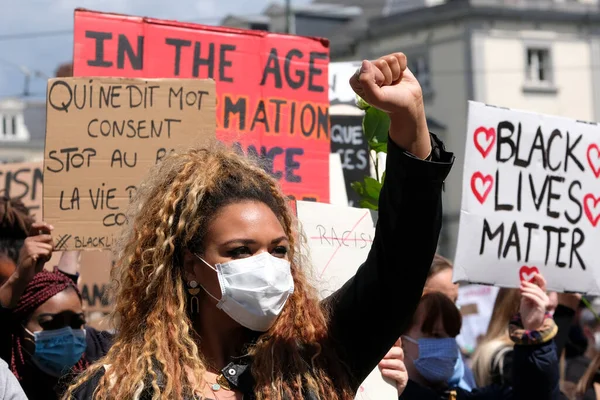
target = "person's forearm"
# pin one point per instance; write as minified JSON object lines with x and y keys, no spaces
{"x":69,"y":262}
{"x":418,"y":141}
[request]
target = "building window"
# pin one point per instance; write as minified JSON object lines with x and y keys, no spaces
{"x":538,"y":66}
{"x":539,"y":76}
{"x":9,"y":125}
{"x":419,"y":65}
{"x":259,"y":26}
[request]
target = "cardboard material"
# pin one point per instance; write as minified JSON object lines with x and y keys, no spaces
{"x":272,"y":88}
{"x":94,"y":279}
{"x":339,"y":240}
{"x":531,"y":200}
{"x":102,"y":137}
{"x":23,"y":181}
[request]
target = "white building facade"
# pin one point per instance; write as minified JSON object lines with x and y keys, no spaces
{"x":22,"y":130}
{"x":542,"y":56}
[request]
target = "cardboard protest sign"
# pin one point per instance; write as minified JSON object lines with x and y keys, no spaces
{"x":94,"y":278}
{"x":23,"y":181}
{"x":348,"y":141}
{"x":531,"y":200}
{"x":272,"y":88}
{"x":102,"y":137}
{"x":339,"y":240}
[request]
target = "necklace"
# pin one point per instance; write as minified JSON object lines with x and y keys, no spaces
{"x":221,"y":383}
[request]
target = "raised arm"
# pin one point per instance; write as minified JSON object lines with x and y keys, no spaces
{"x":369,"y":313}
{"x":535,"y":362}
{"x":36,"y":251}
{"x":70,"y":263}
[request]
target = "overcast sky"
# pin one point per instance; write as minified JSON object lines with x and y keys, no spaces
{"x":37,"y":34}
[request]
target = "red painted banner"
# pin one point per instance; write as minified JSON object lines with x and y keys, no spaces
{"x":272,"y":89}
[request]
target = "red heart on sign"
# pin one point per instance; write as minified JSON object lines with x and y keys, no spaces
{"x":592,"y":212}
{"x":481,"y":185}
{"x":595,"y":160}
{"x":528,"y":273}
{"x":484,"y":139}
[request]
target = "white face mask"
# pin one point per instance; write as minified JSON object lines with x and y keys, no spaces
{"x":253,"y":289}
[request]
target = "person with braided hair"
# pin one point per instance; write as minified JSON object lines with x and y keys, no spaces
{"x":44,"y":339}
{"x":214,"y":299}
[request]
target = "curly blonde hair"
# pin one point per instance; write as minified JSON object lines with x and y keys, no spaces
{"x":170,"y":213}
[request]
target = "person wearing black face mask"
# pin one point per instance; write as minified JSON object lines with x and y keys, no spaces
{"x":431,"y":352}
{"x":46,"y":341}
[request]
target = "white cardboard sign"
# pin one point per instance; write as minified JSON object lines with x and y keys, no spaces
{"x":340,"y":73}
{"x":339,"y":240}
{"x":481,"y":300}
{"x":530,"y":200}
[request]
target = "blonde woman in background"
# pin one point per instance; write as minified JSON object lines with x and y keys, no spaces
{"x":489,"y":364}
{"x":492,"y":361}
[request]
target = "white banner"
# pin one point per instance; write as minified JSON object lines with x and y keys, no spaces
{"x":339,"y":239}
{"x":530,"y":200}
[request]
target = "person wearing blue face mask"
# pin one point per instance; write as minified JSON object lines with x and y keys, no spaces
{"x":431,"y":353}
{"x":439,"y":279}
{"x":45,"y":341}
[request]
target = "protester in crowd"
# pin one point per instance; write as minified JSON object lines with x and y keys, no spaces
{"x":493,"y":359}
{"x":15,"y":223}
{"x":9,"y":386}
{"x":440,"y":280}
{"x":581,"y":375}
{"x":431,"y":351}
{"x":489,"y":366}
{"x":44,"y":338}
{"x":588,"y":387}
{"x":213,"y":300}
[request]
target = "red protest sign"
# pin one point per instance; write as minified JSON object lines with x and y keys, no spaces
{"x":272,"y":89}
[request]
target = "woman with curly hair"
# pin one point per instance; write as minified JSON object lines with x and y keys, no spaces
{"x":213,"y":300}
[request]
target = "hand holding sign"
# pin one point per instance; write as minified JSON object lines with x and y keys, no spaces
{"x":534,"y":302}
{"x":37,"y":249}
{"x":389,"y":85}
{"x":527,"y":274}
{"x":392,"y":367}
